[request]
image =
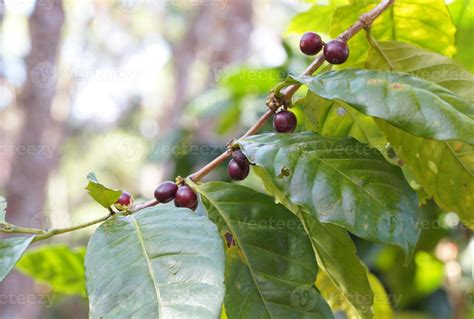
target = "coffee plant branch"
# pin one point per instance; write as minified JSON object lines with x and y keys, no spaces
{"x":285,"y":96}
{"x":363,"y":22}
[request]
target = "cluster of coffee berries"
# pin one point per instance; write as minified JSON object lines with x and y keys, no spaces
{"x":124,"y":201}
{"x":239,"y":166}
{"x":335,"y":51}
{"x":183,"y":195}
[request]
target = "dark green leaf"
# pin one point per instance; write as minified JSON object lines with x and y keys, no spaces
{"x":342,"y":182}
{"x":410,"y":103}
{"x":338,"y":258}
{"x":59,"y":266}
{"x":11,"y":250}
{"x":336,"y":254}
{"x":426,"y":24}
{"x":163,"y":262}
{"x":273,"y":267}
{"x":101,"y":194}
{"x":445,"y":169}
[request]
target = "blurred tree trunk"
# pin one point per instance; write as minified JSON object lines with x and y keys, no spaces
{"x":221,"y":36}
{"x":217,"y":35}
{"x":27,"y":186}
{"x":2,"y":14}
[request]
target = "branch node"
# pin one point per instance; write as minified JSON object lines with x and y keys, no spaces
{"x":275,"y":102}
{"x":180,"y":181}
{"x":232,"y":145}
{"x":365,"y":19}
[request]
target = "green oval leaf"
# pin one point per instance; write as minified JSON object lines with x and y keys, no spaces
{"x":445,"y":169}
{"x":59,"y":266}
{"x":11,"y":250}
{"x":335,"y":252}
{"x":342,"y":182}
{"x":273,"y":267}
{"x":410,"y":103}
{"x":101,"y":194}
{"x":426,"y":24}
{"x":163,"y":262}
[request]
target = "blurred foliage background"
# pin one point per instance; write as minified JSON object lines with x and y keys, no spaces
{"x":140,"y":91}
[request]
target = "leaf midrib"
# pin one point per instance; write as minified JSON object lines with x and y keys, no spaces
{"x":150,"y":267}
{"x":302,"y":216}
{"x":455,"y":155}
{"x":243,"y":251}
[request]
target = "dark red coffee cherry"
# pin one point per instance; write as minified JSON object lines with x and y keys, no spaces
{"x":311,"y":43}
{"x":236,"y":171}
{"x":166,"y":192}
{"x":124,"y":201}
{"x":185,"y":197}
{"x":336,"y":52}
{"x":239,"y":157}
{"x":284,"y":122}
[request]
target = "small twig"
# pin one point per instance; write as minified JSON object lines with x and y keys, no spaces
{"x":58,"y":231}
{"x":287,"y":93}
{"x":45,"y":233}
{"x":221,"y":158}
{"x":13,"y":229}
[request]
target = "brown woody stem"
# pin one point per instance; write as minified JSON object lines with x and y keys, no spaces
{"x":364,"y":21}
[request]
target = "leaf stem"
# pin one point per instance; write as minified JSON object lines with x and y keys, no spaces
{"x":364,"y":21}
{"x":374,"y":44}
